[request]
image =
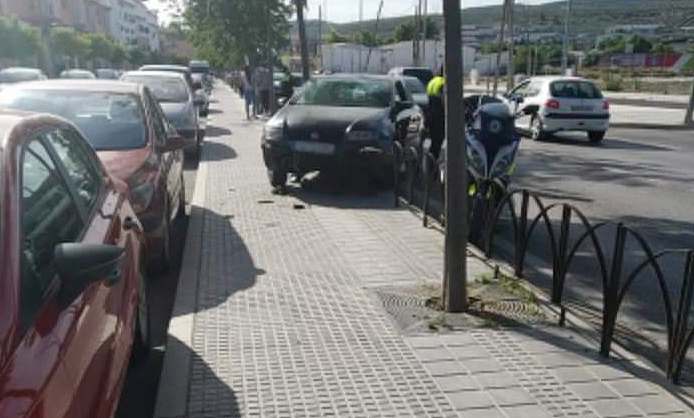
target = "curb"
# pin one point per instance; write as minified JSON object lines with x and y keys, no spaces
{"x":172,"y":393}
{"x":651,"y":126}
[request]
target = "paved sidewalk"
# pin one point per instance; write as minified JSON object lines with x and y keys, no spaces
{"x":276,"y":315}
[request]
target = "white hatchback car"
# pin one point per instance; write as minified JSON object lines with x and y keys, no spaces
{"x":566,"y":104}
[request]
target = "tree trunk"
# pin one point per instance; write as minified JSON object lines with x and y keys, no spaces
{"x":690,"y":109}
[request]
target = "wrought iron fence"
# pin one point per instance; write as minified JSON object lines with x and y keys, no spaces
{"x":411,"y":171}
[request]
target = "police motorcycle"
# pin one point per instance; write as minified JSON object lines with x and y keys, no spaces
{"x":492,"y":144}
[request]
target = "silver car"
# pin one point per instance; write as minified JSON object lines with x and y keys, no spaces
{"x":177,"y":101}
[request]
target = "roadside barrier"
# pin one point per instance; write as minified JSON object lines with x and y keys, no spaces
{"x":529,"y":216}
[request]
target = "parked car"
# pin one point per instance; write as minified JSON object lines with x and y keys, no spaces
{"x":341,"y":122}
{"x":418,"y":92}
{"x":177,"y":101}
{"x":194,"y":85}
{"x":204,"y":82}
{"x":126,"y":126}
{"x":78,"y":74}
{"x":422,"y":73}
{"x":566,"y":104}
{"x":107,"y":74}
{"x":74,"y":296}
{"x":19,"y":74}
{"x":202,"y":67}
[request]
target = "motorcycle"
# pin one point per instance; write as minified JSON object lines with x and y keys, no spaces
{"x":492,"y":143}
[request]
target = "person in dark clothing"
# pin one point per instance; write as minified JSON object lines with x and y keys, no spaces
{"x":436,"y":123}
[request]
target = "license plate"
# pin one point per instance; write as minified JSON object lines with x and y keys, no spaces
{"x":582,"y":108}
{"x":314,"y":147}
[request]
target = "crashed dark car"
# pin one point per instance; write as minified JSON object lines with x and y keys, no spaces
{"x":344,"y":124}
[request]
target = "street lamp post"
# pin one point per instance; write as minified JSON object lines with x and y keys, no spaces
{"x":455,"y":281}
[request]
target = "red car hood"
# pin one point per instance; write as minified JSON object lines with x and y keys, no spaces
{"x":123,"y":164}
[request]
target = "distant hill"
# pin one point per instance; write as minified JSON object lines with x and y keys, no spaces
{"x":588,"y":16}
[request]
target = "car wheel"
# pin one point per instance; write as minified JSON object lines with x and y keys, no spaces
{"x":278,"y":178}
{"x":160,"y":264}
{"x":182,"y":200}
{"x":142,"y":343}
{"x":596,"y":137}
{"x":537,"y":131}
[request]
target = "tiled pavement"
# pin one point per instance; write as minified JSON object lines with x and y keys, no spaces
{"x":282,"y":320}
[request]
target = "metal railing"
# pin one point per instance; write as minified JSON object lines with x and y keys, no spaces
{"x":411,"y":171}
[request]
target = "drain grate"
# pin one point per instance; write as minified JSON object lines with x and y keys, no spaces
{"x":513,"y":309}
{"x":406,"y":310}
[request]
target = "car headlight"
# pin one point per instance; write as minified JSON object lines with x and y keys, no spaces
{"x":361,"y":135}
{"x":141,"y":196}
{"x":273,"y":132}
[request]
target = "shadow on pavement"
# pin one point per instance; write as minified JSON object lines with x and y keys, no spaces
{"x":326,"y":189}
{"x":214,"y":131}
{"x":607,"y":143}
{"x":217,"y":151}
{"x":213,"y":398}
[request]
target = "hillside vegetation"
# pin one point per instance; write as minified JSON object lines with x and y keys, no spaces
{"x":588,"y":16}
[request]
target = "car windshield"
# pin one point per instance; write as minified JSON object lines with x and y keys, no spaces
{"x":414,"y":85}
{"x":109,"y":121}
{"x":165,"y":89}
{"x":575,"y":90}
{"x":16,"y":76}
{"x":106,"y":74}
{"x":346,"y":92}
{"x":77,"y":74}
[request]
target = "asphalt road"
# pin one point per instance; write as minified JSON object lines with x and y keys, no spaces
{"x":643,"y":178}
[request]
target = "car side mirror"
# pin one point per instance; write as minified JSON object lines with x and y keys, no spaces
{"x":282,"y":101}
{"x":531,"y":109}
{"x":174,"y":142}
{"x":78,"y":265}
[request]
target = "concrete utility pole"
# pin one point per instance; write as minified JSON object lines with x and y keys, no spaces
{"x":501,"y":46}
{"x":378,"y":19}
{"x":690,"y":109}
{"x":319,"y":50}
{"x":424,"y":33}
{"x":511,"y":71}
{"x":300,"y":4}
{"x":361,"y":18}
{"x":455,"y":260}
{"x":565,"y":49}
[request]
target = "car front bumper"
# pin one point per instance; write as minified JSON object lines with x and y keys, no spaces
{"x":347,"y":156}
{"x":557,"y":122}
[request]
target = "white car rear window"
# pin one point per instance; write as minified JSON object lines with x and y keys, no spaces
{"x":575,"y":90}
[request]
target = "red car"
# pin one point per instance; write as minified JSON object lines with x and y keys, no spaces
{"x":126,"y":126}
{"x":73,"y":299}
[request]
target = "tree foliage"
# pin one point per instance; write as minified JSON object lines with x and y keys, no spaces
{"x":335,"y":37}
{"x":18,"y":42}
{"x":229,"y":33}
{"x":406,"y":31}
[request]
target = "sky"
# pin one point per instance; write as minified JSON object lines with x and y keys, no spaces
{"x":340,"y":11}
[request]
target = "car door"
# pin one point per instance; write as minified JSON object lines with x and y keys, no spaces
{"x":64,"y":198}
{"x":94,"y":355}
{"x":171,"y":162}
{"x":532,"y":95}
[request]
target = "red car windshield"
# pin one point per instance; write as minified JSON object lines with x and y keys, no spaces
{"x":109,"y":121}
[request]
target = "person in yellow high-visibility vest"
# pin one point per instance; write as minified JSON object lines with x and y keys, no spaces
{"x":436,"y":120}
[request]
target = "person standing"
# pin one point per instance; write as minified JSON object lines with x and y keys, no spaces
{"x":436,"y":121}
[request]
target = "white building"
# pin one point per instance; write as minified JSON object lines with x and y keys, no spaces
{"x":351,"y":58}
{"x":133,"y":24}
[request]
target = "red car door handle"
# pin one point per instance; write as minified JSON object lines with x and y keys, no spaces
{"x":131,"y":224}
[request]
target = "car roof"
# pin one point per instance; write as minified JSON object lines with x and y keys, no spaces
{"x":26,"y":69}
{"x":358,"y":76}
{"x":111,"y":86}
{"x":167,"y":74}
{"x":164,"y":67}
{"x":550,"y":78}
{"x":13,"y":121}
